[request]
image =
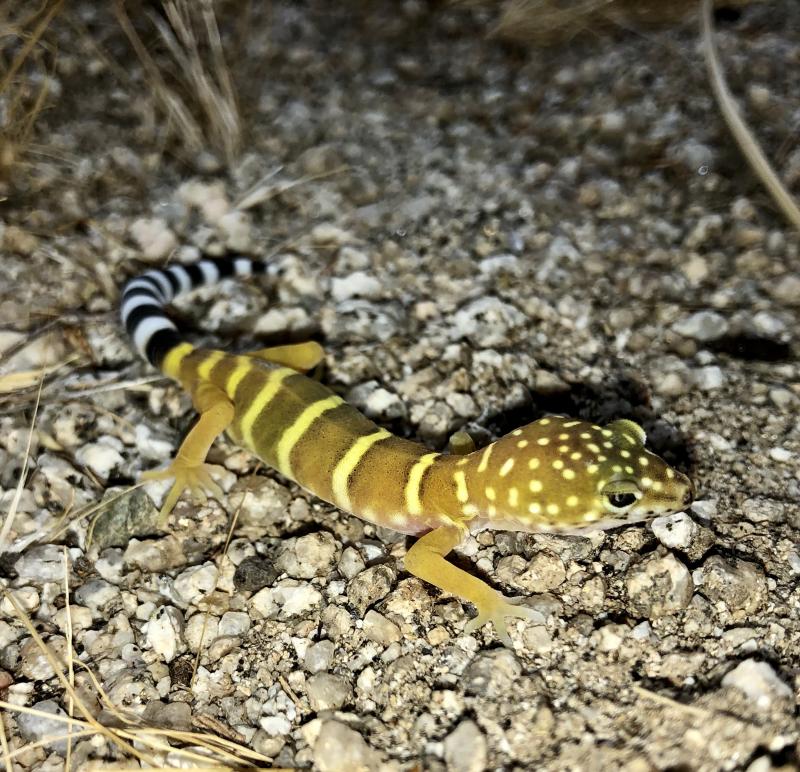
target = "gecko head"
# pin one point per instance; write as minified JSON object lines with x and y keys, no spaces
{"x":572,"y":474}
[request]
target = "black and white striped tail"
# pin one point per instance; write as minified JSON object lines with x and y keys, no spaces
{"x":144,"y":298}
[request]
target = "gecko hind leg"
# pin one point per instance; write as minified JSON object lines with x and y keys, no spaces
{"x":189,"y":468}
{"x":302,"y":357}
{"x":426,"y":561}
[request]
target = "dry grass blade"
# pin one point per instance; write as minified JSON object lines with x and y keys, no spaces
{"x":12,"y":509}
{"x":78,"y":702}
{"x":744,"y":137}
{"x":209,"y":114}
{"x":70,"y":668}
{"x":19,"y":113}
{"x":4,"y":745}
{"x":129,"y":735}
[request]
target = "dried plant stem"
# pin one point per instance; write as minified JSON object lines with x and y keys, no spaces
{"x":744,"y":137}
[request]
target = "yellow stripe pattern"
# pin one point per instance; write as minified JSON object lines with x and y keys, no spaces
{"x":171,"y":366}
{"x":349,"y":461}
{"x":207,"y":365}
{"x":412,"y":499}
{"x":261,"y":400}
{"x":243,"y":366}
{"x":461,"y":486}
{"x":294,"y":433}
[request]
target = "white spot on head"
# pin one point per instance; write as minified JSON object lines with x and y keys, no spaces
{"x":570,"y":424}
{"x":592,"y":468}
{"x":534,"y":508}
{"x":535,"y":486}
{"x":563,"y":448}
{"x":670,"y":473}
{"x":592,"y":447}
{"x":552,"y":509}
{"x":585,"y":436}
{"x":490,"y":494}
{"x":564,"y":436}
{"x":625,"y":453}
{"x":646,"y":482}
{"x":607,"y":445}
{"x":558,"y":464}
{"x":572,"y":501}
{"x":607,"y":433}
{"x":543,"y":441}
{"x":643,"y":461}
{"x":513,"y":497}
{"x":544,"y":421}
{"x":533,"y":463}
{"x":522,"y":444}
{"x":516,"y":432}
{"x":575,"y":456}
{"x":568,"y":474}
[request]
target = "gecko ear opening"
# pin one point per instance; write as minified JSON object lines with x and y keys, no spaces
{"x":626,"y":426}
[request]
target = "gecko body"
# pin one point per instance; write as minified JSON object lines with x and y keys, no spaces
{"x":557,"y":473}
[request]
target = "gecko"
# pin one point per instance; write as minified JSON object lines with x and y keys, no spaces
{"x":556,"y":474}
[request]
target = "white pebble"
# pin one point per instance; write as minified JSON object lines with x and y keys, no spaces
{"x":154,"y":238}
{"x":102,"y":456}
{"x":357,"y":285}
{"x":196,"y":582}
{"x":163,"y":632}
{"x":675,"y":531}
{"x":758,"y":682}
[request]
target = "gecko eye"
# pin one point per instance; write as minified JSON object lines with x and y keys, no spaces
{"x":620,"y":500}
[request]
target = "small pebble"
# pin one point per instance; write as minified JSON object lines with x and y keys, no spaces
{"x":675,"y":531}
{"x":758,"y":682}
{"x":465,"y":748}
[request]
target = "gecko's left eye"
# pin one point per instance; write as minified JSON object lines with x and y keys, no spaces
{"x":620,"y":500}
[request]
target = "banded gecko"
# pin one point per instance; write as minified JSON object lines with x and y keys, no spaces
{"x":554,"y":474}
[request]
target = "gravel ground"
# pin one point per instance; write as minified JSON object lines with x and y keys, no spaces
{"x":479,"y":234}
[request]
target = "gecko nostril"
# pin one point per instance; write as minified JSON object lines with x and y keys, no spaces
{"x":688,"y":497}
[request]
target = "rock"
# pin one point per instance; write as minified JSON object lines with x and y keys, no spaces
{"x":486,"y":322}
{"x":370,"y":586}
{"x":351,"y":563}
{"x":101,"y":457}
{"x":44,"y":563}
{"x":34,"y":728}
{"x":703,"y":326}
{"x":96,"y":594}
{"x":740,"y":585}
{"x":154,"y":238}
{"x":319,"y":656}
{"x":675,"y":531}
{"x":196,"y":582}
{"x":296,"y":599}
{"x":545,"y":571}
{"x":33,"y":664}
{"x":758,"y":682}
{"x":163,"y":632}
{"x":658,"y":586}
{"x":327,"y":691}
{"x":341,"y":749}
{"x":309,"y":556}
{"x":357,"y":285}
{"x":169,"y":715}
{"x":708,"y":378}
{"x":465,"y":748}
{"x":492,"y":673}
{"x":253,"y":573}
{"x":380,"y":629}
{"x":233,"y":623}
{"x":123,"y":517}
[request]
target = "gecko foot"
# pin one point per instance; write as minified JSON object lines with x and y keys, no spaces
{"x":495,"y":611}
{"x":196,"y":478}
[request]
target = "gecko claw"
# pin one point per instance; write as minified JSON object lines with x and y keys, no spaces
{"x":196,"y":478}
{"x":495,"y":611}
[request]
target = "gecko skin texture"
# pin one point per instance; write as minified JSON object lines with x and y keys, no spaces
{"x":556,"y":474}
